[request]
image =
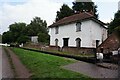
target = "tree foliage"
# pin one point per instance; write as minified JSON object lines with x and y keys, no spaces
{"x":36,"y":26}
{"x":65,"y":11}
{"x":44,"y":38}
{"x":23,"y":39}
{"x":20,"y":32}
{"x":7,"y":37}
{"x":17,"y":29}
{"x":77,"y":7}
{"x":85,"y":7}
{"x":115,"y":24}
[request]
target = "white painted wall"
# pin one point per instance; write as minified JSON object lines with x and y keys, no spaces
{"x":90,"y":32}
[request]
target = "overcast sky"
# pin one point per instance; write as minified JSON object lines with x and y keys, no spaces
{"x":12,"y":11}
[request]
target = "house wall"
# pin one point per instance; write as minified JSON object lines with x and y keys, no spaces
{"x":90,"y":32}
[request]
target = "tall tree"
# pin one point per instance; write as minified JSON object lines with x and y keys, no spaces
{"x":7,"y":37}
{"x":115,"y":24}
{"x":20,"y":32}
{"x":65,"y":11}
{"x":37,"y":25}
{"x":85,"y":7}
{"x":17,"y":29}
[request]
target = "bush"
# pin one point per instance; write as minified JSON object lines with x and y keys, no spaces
{"x":23,"y":39}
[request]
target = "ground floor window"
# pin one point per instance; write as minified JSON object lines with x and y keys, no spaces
{"x":78,"y":42}
{"x":56,"y":42}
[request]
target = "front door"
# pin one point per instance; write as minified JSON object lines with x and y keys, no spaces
{"x":65,"y":42}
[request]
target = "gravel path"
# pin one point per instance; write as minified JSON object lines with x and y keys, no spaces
{"x":91,"y":70}
{"x":7,"y":71}
{"x":20,"y":69}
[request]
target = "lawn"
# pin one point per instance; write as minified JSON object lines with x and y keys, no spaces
{"x":46,"y":66}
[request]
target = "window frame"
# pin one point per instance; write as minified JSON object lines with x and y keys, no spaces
{"x":78,"y":27}
{"x":56,"y":30}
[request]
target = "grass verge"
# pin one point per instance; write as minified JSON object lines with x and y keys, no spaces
{"x":47,"y":66}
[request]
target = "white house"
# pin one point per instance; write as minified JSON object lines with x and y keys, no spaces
{"x":79,"y":30}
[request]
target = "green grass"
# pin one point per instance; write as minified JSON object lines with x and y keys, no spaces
{"x":47,"y":66}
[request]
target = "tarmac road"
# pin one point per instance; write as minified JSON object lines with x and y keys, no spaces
{"x":92,"y":70}
{"x":0,"y":62}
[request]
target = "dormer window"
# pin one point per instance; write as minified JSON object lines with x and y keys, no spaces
{"x":78,"y":26}
{"x":56,"y":30}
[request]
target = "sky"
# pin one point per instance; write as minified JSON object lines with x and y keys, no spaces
{"x":12,"y":11}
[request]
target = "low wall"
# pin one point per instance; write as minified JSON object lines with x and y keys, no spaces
{"x":32,"y":45}
{"x":52,"y":48}
{"x":81,"y":50}
{"x":70,"y":50}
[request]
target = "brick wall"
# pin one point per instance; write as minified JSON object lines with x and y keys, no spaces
{"x":110,"y":44}
{"x":81,"y":50}
{"x":52,"y":48}
{"x":70,"y":50}
{"x":33,"y":45}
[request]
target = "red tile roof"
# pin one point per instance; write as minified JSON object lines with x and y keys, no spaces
{"x":75,"y":18}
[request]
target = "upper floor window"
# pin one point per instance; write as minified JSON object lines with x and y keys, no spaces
{"x":78,"y":26}
{"x":56,"y":30}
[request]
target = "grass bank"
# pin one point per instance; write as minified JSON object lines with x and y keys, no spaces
{"x":47,"y":66}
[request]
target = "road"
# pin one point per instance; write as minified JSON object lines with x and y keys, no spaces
{"x":92,"y":70}
{"x":0,"y":62}
{"x":7,"y":71}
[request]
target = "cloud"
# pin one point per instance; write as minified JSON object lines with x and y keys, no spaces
{"x":46,"y":9}
{"x":25,"y":10}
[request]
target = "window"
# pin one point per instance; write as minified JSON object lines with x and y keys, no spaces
{"x":56,"y":42}
{"x":56,"y":30}
{"x":78,"y":42}
{"x":78,"y":26}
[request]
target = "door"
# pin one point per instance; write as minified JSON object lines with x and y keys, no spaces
{"x":97,"y":43}
{"x":65,"y":42}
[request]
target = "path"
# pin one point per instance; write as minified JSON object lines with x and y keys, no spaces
{"x":20,"y":69}
{"x":0,"y":62}
{"x":7,"y":71}
{"x":92,"y":70}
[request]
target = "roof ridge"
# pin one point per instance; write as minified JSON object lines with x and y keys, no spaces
{"x":73,"y":18}
{"x":75,"y":15}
